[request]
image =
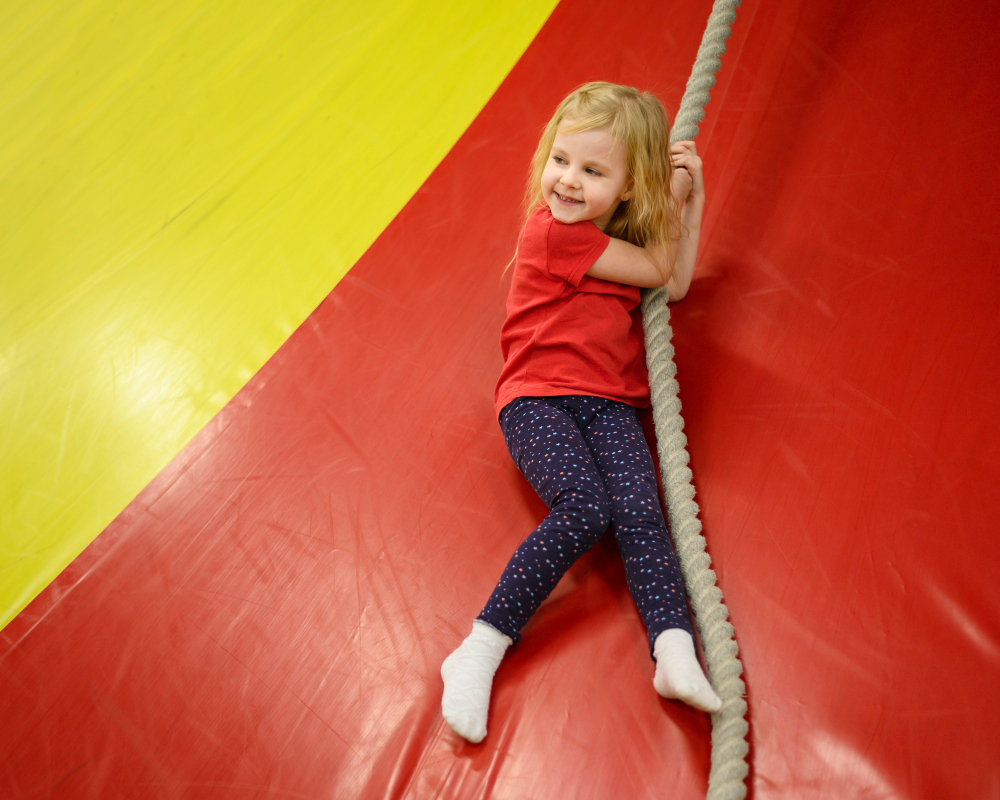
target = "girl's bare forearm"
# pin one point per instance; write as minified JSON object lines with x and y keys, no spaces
{"x":687,"y":249}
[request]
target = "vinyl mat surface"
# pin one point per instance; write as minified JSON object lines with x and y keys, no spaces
{"x":268,"y":616}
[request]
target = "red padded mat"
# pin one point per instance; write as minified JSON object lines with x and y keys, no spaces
{"x":268,"y":617}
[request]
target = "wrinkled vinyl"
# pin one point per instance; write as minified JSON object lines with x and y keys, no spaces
{"x":268,"y":616}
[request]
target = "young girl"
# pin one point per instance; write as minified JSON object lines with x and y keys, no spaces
{"x":605,"y":221}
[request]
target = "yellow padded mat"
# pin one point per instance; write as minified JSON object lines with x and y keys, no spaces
{"x":180,"y":185}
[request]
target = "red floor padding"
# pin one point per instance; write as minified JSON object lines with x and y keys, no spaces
{"x":267,"y":619}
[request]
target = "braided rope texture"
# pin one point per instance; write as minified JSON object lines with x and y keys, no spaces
{"x":727,"y":778}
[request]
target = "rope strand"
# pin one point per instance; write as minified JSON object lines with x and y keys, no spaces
{"x":726,"y":780}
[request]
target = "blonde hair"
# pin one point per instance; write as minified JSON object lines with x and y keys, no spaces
{"x":638,"y":121}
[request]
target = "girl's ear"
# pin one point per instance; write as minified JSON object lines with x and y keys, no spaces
{"x":627,"y":194}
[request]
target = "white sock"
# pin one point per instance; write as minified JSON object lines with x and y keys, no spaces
{"x":678,"y":673}
{"x":468,"y":678}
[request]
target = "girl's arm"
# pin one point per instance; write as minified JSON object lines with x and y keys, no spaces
{"x":684,"y":154}
{"x":623,"y":262}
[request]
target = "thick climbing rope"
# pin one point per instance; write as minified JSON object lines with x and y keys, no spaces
{"x":726,"y":780}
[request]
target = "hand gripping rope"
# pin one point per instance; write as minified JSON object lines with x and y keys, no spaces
{"x":726,"y":781}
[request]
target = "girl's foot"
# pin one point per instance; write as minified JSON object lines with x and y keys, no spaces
{"x":678,"y":673}
{"x":468,"y":678}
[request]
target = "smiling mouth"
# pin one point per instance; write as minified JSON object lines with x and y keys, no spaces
{"x":568,"y":200}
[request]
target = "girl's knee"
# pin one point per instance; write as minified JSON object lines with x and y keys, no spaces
{"x":583,"y":513}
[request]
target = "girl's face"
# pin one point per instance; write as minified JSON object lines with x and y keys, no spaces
{"x":585,"y":177}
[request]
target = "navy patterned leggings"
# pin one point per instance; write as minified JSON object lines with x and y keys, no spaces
{"x":587,"y":459}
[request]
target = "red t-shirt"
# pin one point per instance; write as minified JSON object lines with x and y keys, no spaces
{"x":565,"y":332}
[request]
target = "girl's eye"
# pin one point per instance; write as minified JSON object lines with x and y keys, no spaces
{"x":559,"y":159}
{"x":593,"y":171}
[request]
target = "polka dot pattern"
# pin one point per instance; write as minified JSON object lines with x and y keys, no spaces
{"x":588,"y":461}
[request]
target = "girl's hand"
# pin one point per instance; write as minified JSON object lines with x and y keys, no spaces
{"x":684,"y":154}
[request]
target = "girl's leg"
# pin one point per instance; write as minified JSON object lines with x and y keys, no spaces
{"x":549,"y":449}
{"x":615,"y":439}
{"x":547,"y":446}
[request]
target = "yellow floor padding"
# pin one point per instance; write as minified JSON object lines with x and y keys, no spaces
{"x":182,"y":183}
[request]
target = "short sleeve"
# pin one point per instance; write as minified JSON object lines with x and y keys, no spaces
{"x":572,"y":249}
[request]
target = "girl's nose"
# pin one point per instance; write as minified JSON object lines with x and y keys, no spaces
{"x":570,"y":179}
